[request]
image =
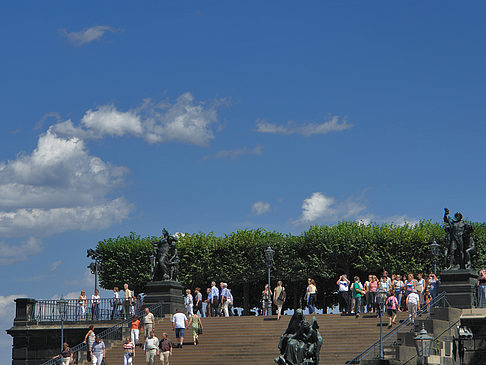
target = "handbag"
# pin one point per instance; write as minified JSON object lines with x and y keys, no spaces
{"x":199,"y":331}
{"x":282,"y":296}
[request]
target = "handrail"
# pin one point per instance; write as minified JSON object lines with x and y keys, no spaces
{"x":441,"y":297}
{"x":70,"y":310}
{"x":156,"y":309}
{"x":435,"y":339}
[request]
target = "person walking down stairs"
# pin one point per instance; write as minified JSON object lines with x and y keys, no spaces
{"x":165,"y":349}
{"x":151,"y":347}
{"x":128,"y":352}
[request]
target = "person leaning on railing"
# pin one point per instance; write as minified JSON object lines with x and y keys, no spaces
{"x":95,"y":305}
{"x":66,"y":355}
{"x":89,"y":339}
{"x":128,"y":295}
{"x":116,"y":302}
{"x":83,"y":305}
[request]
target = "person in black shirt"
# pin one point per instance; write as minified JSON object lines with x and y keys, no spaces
{"x":165,"y":349}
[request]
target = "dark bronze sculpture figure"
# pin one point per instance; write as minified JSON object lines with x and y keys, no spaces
{"x":459,"y":242}
{"x":301,"y":342}
{"x":164,"y":260}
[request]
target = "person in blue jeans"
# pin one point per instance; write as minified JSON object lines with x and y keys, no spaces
{"x":357,"y":292}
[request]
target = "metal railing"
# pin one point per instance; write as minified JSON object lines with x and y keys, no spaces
{"x":84,"y":310}
{"x":391,"y":338}
{"x":113,"y":333}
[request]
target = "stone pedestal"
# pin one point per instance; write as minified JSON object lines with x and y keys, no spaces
{"x":460,"y":286}
{"x":24,"y":310}
{"x":169,"y":293}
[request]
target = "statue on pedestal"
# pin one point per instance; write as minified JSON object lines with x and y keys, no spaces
{"x":301,"y":342}
{"x":459,"y":242}
{"x":165,"y":260}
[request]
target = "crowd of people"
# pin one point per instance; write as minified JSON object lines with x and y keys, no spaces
{"x":401,"y":293}
{"x":397,"y":292}
{"x":122,"y":305}
{"x":219,"y":302}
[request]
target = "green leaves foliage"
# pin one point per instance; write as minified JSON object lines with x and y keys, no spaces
{"x":125,"y":260}
{"x":321,"y":252}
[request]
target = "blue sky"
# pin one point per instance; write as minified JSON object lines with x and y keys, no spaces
{"x":216,"y":116}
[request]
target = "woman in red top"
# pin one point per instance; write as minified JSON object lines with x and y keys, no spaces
{"x":135,"y":330}
{"x":373,"y":287}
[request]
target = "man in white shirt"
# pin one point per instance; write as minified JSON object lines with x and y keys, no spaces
{"x":214,"y":299}
{"x":179,"y":324}
{"x":151,"y":346}
{"x":227,"y":298}
{"x":413,"y":301}
{"x":127,"y":300}
{"x":148,"y":323}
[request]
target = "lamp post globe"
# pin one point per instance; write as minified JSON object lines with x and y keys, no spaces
{"x":381,"y":299}
{"x":423,"y":344}
{"x":61,"y":307}
{"x":269,"y":260}
{"x":435,"y":251}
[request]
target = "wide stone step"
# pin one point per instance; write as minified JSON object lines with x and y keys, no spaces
{"x":253,"y":340}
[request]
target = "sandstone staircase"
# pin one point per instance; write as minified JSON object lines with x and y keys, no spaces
{"x":253,"y":340}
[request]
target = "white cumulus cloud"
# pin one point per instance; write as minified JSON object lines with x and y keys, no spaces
{"x":59,"y":187}
{"x":319,"y":208}
{"x":306,"y":129}
{"x":185,"y":120}
{"x":108,"y":120}
{"x":10,"y":254}
{"x":260,"y":207}
{"x":7,"y":307}
{"x":86,"y":35}
{"x":316,"y":206}
{"x":46,"y":222}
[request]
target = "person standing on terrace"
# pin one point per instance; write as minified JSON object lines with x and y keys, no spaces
{"x":279,"y":296}
{"x":95,"y":305}
{"x":343,"y":284}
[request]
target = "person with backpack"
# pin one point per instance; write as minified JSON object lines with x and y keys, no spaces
{"x":392,"y":307}
{"x":357,"y":292}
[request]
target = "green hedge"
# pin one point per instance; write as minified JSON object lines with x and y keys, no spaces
{"x":321,"y":252}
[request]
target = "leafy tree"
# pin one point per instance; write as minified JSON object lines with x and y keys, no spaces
{"x":125,"y":260}
{"x":321,"y":252}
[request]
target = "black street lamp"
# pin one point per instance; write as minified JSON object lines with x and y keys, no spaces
{"x":61,"y":307}
{"x":269,"y":260}
{"x":423,"y":344}
{"x":381,"y":299}
{"x":435,"y":250}
{"x":94,"y":266}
